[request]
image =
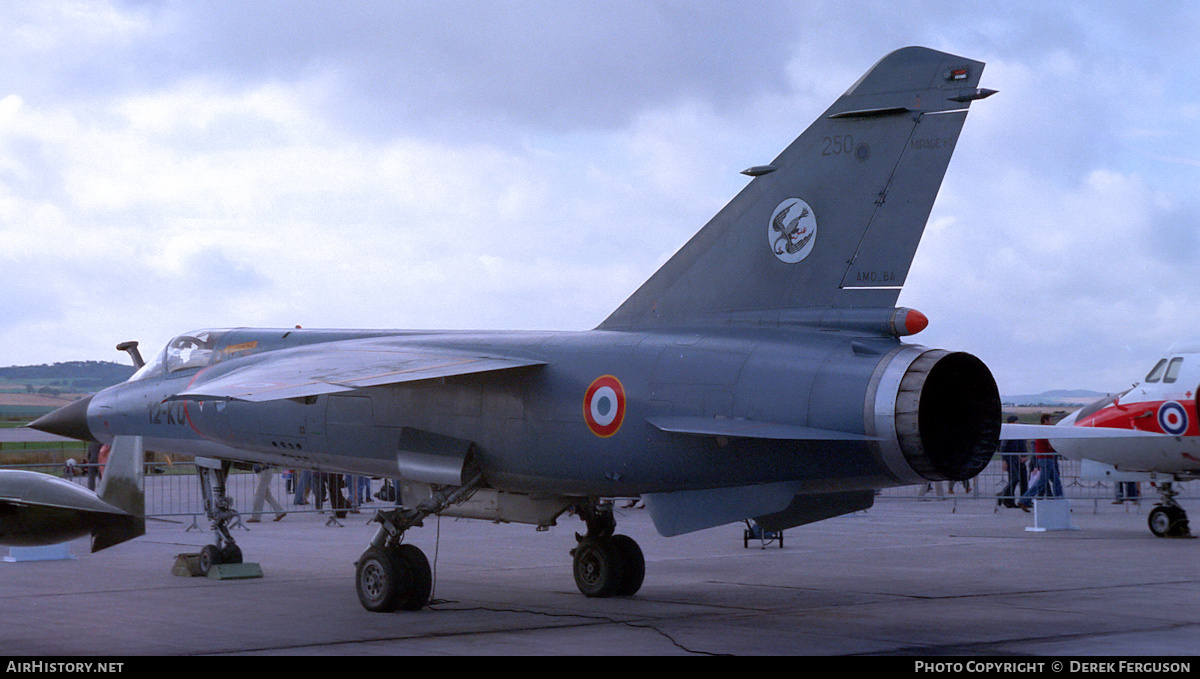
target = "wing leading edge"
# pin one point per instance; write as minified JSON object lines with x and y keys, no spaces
{"x":343,"y":366}
{"x":1050,"y":431}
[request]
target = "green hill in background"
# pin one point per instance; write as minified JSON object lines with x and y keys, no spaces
{"x":71,"y":376}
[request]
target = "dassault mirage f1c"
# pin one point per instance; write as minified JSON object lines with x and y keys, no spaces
{"x":759,"y":373}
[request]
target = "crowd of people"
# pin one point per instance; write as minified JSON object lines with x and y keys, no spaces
{"x":1029,"y":476}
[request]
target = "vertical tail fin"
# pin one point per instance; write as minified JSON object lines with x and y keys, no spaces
{"x":123,"y":487}
{"x":833,"y":223}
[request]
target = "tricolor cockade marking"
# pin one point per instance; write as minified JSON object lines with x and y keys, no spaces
{"x":604,"y":406}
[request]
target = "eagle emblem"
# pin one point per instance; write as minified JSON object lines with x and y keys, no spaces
{"x":792,"y":230}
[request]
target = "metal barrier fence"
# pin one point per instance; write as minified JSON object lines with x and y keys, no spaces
{"x":174,"y":491}
{"x":991,"y":482}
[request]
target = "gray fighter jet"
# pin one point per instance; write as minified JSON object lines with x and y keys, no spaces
{"x":759,"y":373}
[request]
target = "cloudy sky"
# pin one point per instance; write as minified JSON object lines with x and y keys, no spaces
{"x":168,"y":166}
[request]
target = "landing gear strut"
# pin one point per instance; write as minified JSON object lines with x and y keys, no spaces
{"x":1168,"y":519}
{"x":605,"y":564}
{"x":218,"y":507}
{"x":391,"y":575}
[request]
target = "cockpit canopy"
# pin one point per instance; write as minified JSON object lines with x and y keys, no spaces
{"x":184,"y":354}
{"x":1165,"y":370}
{"x":193,"y":351}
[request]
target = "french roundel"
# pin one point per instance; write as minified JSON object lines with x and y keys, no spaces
{"x":604,"y":406}
{"x":1173,"y":418}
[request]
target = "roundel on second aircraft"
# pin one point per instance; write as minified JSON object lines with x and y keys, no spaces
{"x":1173,"y":418}
{"x":604,"y":406}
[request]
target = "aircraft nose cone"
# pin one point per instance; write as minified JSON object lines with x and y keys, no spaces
{"x":69,"y":421}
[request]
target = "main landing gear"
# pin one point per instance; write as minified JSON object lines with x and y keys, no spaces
{"x":219,"y":510}
{"x":393,"y":576}
{"x":605,"y":564}
{"x":1168,"y":519}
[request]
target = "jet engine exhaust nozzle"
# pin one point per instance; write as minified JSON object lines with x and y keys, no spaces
{"x":939,"y":413}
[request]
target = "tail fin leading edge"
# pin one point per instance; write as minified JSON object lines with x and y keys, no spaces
{"x":123,"y":487}
{"x":834,"y":221}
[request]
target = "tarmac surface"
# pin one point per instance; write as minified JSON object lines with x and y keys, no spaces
{"x":953,"y":577}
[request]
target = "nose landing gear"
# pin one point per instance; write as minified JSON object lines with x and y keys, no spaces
{"x":1168,"y":519}
{"x":218,"y":507}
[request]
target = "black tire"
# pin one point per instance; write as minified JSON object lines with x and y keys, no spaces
{"x":597,"y":567}
{"x":231,"y":554}
{"x":382,"y":578}
{"x":210,"y":556}
{"x":421,"y":578}
{"x":633,"y":565}
{"x":1168,"y":522}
